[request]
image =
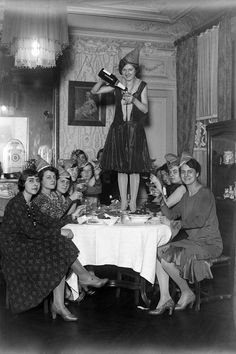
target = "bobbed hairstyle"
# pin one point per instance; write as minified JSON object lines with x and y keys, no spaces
{"x":48,"y":168}
{"x":28,"y":172}
{"x":192,"y":163}
{"x":100,"y":151}
{"x":88,"y":164}
{"x":164,"y":167}
{"x":122,"y":64}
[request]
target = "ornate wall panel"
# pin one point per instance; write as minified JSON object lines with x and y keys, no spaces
{"x":82,"y":61}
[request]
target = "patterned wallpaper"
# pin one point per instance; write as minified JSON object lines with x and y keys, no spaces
{"x":83,"y":60}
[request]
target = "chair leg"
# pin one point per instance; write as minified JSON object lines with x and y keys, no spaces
{"x":119,"y":277}
{"x":198,"y":295}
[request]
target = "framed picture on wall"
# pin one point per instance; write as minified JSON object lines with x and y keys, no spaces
{"x":84,"y":108}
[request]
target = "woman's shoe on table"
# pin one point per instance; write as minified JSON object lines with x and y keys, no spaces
{"x":188,"y":301}
{"x":169,"y":305}
{"x":65,"y":315}
{"x":132,"y":207}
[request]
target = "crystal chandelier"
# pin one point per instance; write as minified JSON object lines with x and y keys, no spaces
{"x":35,"y":31}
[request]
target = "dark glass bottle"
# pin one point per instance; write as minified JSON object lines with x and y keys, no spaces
{"x":111,"y":79}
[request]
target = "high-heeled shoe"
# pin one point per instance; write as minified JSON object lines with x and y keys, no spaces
{"x":188,"y":302}
{"x":93,"y":282}
{"x":68,"y":316}
{"x":168,"y":305}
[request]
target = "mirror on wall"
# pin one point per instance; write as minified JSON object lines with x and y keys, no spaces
{"x":32,"y":96}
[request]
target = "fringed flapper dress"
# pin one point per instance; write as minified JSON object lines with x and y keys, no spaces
{"x":126,"y":149}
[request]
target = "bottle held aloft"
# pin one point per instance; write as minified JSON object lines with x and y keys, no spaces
{"x":111,"y":79}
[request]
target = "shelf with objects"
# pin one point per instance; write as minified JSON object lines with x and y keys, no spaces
{"x":221,"y":179}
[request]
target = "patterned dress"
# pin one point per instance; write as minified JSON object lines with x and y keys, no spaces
{"x":126,"y":149}
{"x":35,"y":257}
{"x":54,"y":205}
{"x":199,"y":220}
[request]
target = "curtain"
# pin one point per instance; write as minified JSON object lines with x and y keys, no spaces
{"x":207,"y":44}
{"x":186,"y":75}
{"x":207,"y":47}
{"x":224,"y":70}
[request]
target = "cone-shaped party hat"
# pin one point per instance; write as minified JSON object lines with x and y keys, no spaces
{"x":132,"y":57}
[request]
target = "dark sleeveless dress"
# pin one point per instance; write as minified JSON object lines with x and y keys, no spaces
{"x":126,"y":149}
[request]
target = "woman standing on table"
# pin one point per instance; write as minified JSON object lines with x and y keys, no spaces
{"x":126,"y":149}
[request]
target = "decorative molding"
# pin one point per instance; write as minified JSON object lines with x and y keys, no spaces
{"x":200,"y":140}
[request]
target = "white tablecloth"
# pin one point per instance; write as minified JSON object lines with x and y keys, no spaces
{"x":129,"y":246}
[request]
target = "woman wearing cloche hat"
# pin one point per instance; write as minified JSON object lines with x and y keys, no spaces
{"x":126,"y":150}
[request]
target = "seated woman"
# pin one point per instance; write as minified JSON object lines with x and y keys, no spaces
{"x":177,"y":189}
{"x":48,"y":203}
{"x":35,"y":255}
{"x":93,"y":184}
{"x":185,"y":260}
{"x":67,"y":198}
{"x":79,"y":158}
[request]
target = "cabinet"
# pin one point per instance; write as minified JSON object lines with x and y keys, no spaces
{"x":221,"y":176}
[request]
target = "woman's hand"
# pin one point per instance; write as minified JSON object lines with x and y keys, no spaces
{"x":79,"y":211}
{"x":175,"y":226}
{"x":67,"y":233}
{"x":155,"y":180}
{"x":97,"y":171}
{"x":128,"y":97}
{"x":76,"y":195}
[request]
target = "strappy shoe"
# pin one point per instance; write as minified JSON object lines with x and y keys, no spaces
{"x":168,"y":305}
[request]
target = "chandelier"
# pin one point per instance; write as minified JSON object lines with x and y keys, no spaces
{"x":35,"y":31}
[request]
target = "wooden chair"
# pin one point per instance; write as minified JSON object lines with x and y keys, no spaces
{"x":129,"y":279}
{"x":205,"y":296}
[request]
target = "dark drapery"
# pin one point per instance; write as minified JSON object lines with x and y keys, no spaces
{"x":186,"y":76}
{"x":224,"y":69}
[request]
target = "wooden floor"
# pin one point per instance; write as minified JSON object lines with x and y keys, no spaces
{"x":110,"y":325}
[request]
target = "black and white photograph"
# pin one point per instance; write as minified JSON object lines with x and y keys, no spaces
{"x":117,"y":176}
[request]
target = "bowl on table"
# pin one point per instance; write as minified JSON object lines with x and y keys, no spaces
{"x":138,"y":218}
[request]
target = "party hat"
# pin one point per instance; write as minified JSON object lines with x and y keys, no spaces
{"x":63,"y":172}
{"x":132,"y":57}
{"x":41,"y":164}
{"x":171,"y":159}
{"x":185,"y":157}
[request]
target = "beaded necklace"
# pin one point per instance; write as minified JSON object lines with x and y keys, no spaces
{"x":31,"y":213}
